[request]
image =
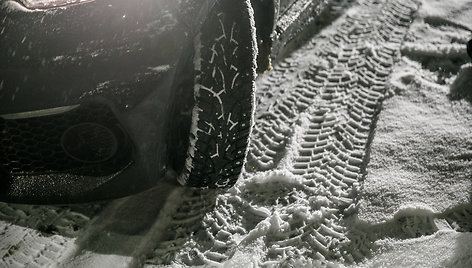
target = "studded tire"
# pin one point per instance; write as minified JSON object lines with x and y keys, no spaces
{"x":223,"y":97}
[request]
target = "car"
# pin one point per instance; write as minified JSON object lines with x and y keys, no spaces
{"x":103,"y":98}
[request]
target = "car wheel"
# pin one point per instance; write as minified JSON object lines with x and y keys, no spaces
{"x":223,"y":68}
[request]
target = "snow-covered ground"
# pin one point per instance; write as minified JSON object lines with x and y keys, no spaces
{"x":361,"y":156}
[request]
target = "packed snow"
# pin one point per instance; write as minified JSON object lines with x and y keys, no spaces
{"x":361,"y":156}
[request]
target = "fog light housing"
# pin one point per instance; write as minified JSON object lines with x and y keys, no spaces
{"x":89,"y":143}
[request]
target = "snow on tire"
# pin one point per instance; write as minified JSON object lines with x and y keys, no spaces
{"x":224,"y":74}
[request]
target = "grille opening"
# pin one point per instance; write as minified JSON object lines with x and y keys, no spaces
{"x":85,"y":141}
{"x":4,"y":181}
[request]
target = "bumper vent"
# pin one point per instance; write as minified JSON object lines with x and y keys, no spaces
{"x":87,"y":140}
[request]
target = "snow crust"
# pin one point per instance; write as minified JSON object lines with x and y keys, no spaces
{"x":408,"y":205}
{"x":443,"y":249}
{"x":423,"y":131}
{"x":420,"y":157}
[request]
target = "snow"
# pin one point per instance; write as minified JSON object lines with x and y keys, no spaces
{"x":160,"y":68}
{"x":183,"y":178}
{"x":420,"y":161}
{"x":455,"y":12}
{"x":420,"y":136}
{"x":321,"y":188}
{"x":443,"y":249}
{"x":422,"y":133}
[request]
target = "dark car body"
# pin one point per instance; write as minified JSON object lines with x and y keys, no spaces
{"x":104,"y":56}
{"x":85,"y":91}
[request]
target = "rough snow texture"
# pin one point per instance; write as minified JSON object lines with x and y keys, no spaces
{"x":420,"y":116}
{"x":422,"y":150}
{"x":195,"y":115}
{"x":37,"y":236}
{"x":311,"y":142}
{"x":336,"y":174}
{"x":420,"y":162}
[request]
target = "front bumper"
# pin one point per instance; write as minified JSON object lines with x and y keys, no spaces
{"x":106,"y":67}
{"x":91,"y":151}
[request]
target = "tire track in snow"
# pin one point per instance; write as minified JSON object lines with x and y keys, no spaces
{"x":311,"y":140}
{"x":38,"y":236}
{"x":127,"y":229}
{"x":310,"y":148}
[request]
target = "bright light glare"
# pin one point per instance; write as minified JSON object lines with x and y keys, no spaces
{"x":35,"y":4}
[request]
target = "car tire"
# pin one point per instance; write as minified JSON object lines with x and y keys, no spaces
{"x":224,"y":64}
